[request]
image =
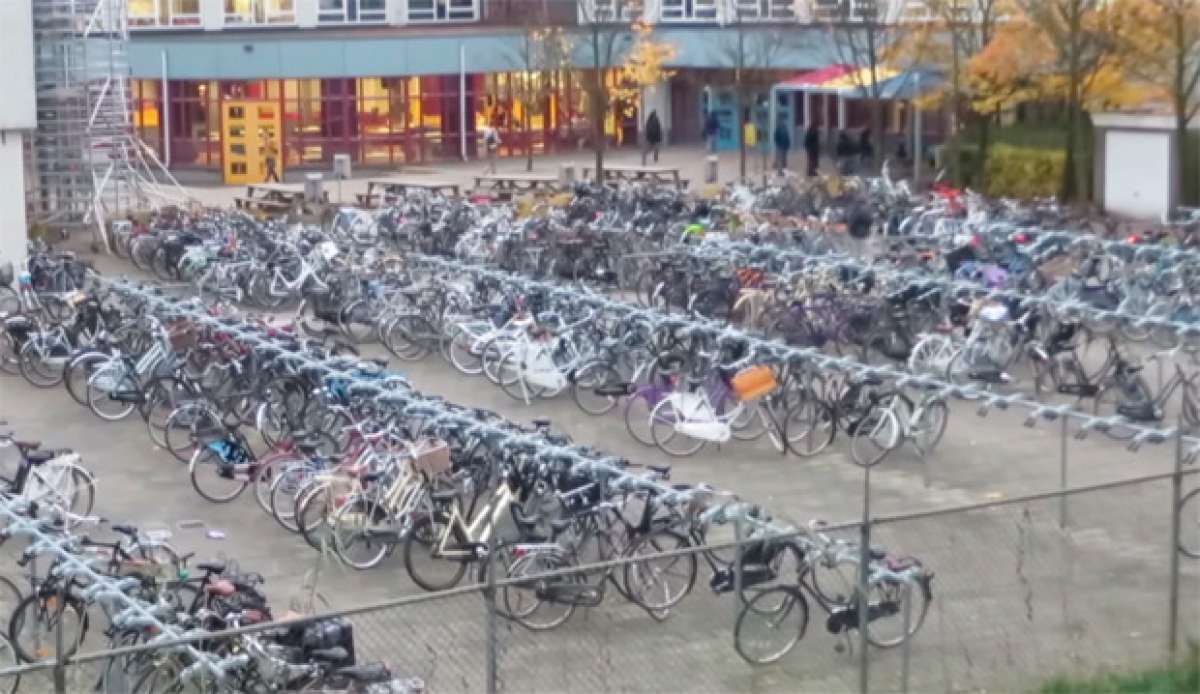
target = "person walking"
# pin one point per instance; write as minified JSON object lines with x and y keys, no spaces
{"x":712,"y":127}
{"x":491,"y":143}
{"x":812,"y":149}
{"x":654,"y":136}
{"x":783,"y":142}
{"x":271,"y":155}
{"x":866,"y":151}
{"x":844,"y":152}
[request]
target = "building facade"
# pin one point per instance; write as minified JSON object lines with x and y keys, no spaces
{"x":393,"y":82}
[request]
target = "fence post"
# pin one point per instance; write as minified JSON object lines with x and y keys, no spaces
{"x":906,"y":655}
{"x":490,"y":602}
{"x":863,"y":603}
{"x":1173,"y":600}
{"x":739,"y":550}
{"x":1062,"y":474}
{"x":60,"y":659}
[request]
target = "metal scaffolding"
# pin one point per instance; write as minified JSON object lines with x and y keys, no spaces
{"x":87,"y":161}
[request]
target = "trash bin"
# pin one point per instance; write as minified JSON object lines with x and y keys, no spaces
{"x":313,"y":187}
{"x":710,"y":169}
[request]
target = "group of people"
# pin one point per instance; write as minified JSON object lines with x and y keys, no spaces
{"x":849,"y":153}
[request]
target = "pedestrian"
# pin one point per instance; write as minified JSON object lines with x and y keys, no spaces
{"x":843,"y":152}
{"x":271,"y":155}
{"x":491,"y":143}
{"x":812,"y":149}
{"x":654,"y":136}
{"x":712,"y":127}
{"x":783,"y":142}
{"x":866,"y":151}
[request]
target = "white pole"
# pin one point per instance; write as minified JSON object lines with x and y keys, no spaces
{"x":841,"y":114}
{"x":462,"y":100}
{"x":164,"y":96}
{"x":918,"y":136}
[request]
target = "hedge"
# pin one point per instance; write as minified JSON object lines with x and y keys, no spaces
{"x":1024,"y":172}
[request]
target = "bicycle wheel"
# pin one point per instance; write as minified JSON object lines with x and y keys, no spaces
{"x":32,"y":629}
{"x":111,"y":394}
{"x":43,"y":360}
{"x":290,"y":477}
{"x":410,"y":338}
{"x":595,"y":386}
{"x":181,"y":427}
{"x":513,"y":376}
{"x":423,"y":559}
{"x":539,"y":604}
{"x":8,"y":659}
{"x":1189,"y":524}
{"x":314,"y":510}
{"x":808,"y":426}
{"x":464,"y":351}
{"x":163,"y":396}
{"x":657,"y":582}
{"x":215,"y":479}
{"x":886,"y":607}
{"x":356,"y":322}
{"x":663,"y":421}
{"x":360,"y":532}
{"x":930,"y":424}
{"x":874,"y":435}
{"x":770,"y":625}
{"x":1115,"y":393}
{"x":637,"y":416}
{"x":79,"y":371}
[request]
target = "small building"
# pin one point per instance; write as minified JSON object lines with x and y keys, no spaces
{"x":1137,"y":171}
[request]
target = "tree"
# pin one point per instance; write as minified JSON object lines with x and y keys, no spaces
{"x":1160,"y":48}
{"x":614,"y":30}
{"x":748,"y":57}
{"x":542,"y":52}
{"x":863,"y":32}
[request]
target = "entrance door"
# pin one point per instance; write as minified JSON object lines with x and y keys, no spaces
{"x":250,"y":135}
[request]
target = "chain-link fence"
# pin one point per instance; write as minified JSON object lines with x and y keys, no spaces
{"x":1026,"y":589}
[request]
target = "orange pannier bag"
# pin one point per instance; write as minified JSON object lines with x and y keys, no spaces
{"x":754,"y":382}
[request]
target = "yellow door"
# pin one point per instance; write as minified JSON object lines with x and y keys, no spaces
{"x":252,"y":141}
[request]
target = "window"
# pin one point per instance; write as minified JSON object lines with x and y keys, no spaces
{"x":367,"y":11}
{"x":259,"y":12}
{"x":145,"y":13}
{"x":185,"y":12}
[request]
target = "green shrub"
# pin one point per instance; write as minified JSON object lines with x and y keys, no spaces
{"x":1023,"y":172}
{"x":1184,"y":678}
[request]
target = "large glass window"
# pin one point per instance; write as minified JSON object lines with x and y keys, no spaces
{"x":143,"y":13}
{"x":260,"y":12}
{"x":339,"y":11}
{"x":185,"y":12}
{"x":443,"y":10}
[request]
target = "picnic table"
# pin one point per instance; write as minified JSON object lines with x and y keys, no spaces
{"x":510,"y":182}
{"x":398,"y":186}
{"x":271,"y":198}
{"x":633,"y":172}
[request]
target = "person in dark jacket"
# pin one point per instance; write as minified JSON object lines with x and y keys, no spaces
{"x":844,"y":151}
{"x":783,"y":142}
{"x":654,"y":136}
{"x":712,"y":127}
{"x":866,"y":151}
{"x":812,"y":149}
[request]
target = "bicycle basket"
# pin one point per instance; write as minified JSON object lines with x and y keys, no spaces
{"x":432,"y":457}
{"x":754,"y":382}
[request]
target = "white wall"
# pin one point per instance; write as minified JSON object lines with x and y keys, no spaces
{"x":12,"y":199}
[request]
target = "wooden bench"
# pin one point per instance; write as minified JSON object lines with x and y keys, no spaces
{"x":666,"y":175}
{"x":400,"y":185}
{"x":513,"y":182}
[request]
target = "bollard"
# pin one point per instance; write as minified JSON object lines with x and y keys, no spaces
{"x":710,"y":169}
{"x":313,"y":184}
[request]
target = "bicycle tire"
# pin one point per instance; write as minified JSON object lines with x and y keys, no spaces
{"x":809,"y":426}
{"x":585,"y":382}
{"x":351,"y":524}
{"x":1189,"y":524}
{"x":636,"y":571}
{"x":792,"y":607}
{"x":922,"y":595}
{"x":875,"y":434}
{"x":207,"y":465}
{"x":520,"y":608}
{"x":34,"y":611}
{"x":663,"y":419}
{"x":422,"y":540}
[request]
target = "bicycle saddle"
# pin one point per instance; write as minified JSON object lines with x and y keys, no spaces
{"x":333,"y":654}
{"x":38,"y":457}
{"x":125,"y":529}
{"x":371,"y":672}
{"x":213,"y":567}
{"x":26,"y":446}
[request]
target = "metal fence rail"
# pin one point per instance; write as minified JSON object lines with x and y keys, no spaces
{"x":1021,"y":594}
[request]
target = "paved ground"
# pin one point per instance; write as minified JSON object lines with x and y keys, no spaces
{"x":205,"y":187}
{"x":1016,"y":598}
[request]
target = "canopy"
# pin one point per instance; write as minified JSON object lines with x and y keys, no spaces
{"x":853,"y":82}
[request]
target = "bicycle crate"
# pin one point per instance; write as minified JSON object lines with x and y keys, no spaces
{"x":432,"y":456}
{"x":754,"y":382}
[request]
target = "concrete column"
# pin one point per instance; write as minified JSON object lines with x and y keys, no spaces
{"x":841,"y":102}
{"x":13,"y":229}
{"x":808,"y":109}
